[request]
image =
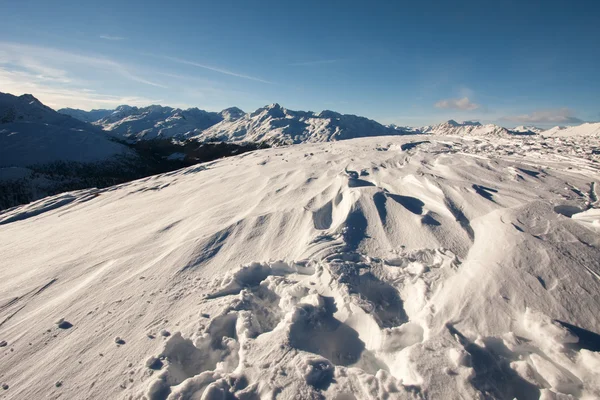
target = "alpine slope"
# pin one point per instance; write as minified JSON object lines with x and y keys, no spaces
{"x":399,"y":267}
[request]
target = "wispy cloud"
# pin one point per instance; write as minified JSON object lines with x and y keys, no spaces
{"x":57,"y":96}
{"x":210,"y":68}
{"x":64,"y":79}
{"x":312,"y":63}
{"x":53,"y":63}
{"x":111,"y":37}
{"x":546,"y":117}
{"x":463,"y":104}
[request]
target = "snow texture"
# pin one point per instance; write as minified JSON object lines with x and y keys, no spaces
{"x":419,"y":267}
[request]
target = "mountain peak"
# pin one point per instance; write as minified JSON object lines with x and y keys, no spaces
{"x":30,"y":98}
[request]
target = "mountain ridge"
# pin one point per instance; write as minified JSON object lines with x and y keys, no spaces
{"x":277,"y":125}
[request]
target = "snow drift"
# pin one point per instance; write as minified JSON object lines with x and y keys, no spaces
{"x":388,"y":267}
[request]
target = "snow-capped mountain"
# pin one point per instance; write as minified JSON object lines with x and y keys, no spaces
{"x":586,"y":129}
{"x":401,"y":268}
{"x":32,"y":133}
{"x":469,"y":128}
{"x":156,"y":121}
{"x":26,"y":108}
{"x":85,"y":116}
{"x":277,"y":125}
{"x":527,"y":130}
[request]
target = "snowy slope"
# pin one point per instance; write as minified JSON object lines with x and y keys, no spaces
{"x":31,"y":133}
{"x":162,"y":122}
{"x":277,"y":125}
{"x":413,"y":267}
{"x":587,"y":129}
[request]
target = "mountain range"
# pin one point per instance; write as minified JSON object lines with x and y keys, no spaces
{"x":44,"y":152}
{"x":277,"y":125}
{"x":272,"y":124}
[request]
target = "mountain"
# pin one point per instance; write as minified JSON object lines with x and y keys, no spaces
{"x":43,"y":152}
{"x":85,"y":116}
{"x":586,"y":129}
{"x":277,"y":125}
{"x":397,"y":267}
{"x":162,"y":122}
{"x":527,"y":130}
{"x":32,"y":133}
{"x":469,"y":128}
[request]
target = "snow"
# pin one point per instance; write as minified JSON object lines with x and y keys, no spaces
{"x":277,"y":125}
{"x":31,"y":133}
{"x":526,"y":129}
{"x":398,"y":267}
{"x":473,"y":128}
{"x":156,"y":121}
{"x":586,"y":129}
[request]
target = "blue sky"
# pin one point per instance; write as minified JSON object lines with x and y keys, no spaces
{"x":410,"y":63}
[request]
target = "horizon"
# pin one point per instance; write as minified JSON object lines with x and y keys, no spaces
{"x":395,"y":64}
{"x":463,"y":122}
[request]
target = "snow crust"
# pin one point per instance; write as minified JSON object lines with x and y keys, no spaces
{"x":375,"y":268}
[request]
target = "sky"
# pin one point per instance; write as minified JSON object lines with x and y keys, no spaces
{"x":411,"y":63}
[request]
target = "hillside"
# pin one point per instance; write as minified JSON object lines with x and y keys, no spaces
{"x":586,"y":129}
{"x":386,"y":267}
{"x":31,"y":133}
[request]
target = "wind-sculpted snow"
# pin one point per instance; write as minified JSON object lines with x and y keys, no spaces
{"x":415,"y":267}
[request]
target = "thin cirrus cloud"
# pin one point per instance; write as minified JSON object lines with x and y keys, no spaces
{"x":551,"y":116}
{"x":64,"y":79}
{"x":211,"y":68}
{"x":39,"y":60}
{"x":463,"y":104}
{"x":44,"y":88}
{"x":111,"y":37}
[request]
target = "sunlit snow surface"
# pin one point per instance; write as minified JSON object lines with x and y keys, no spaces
{"x":412,"y":267}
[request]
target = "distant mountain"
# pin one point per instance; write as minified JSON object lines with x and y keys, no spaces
{"x":527,"y":129}
{"x":586,"y":129}
{"x":85,"y":116}
{"x":470,"y":128}
{"x":277,"y":125}
{"x":32,"y":133}
{"x":158,"y":122}
{"x":43,"y":152}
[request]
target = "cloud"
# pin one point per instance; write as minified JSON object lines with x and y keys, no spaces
{"x":58,"y":96}
{"x":210,"y":68}
{"x":110,"y":37}
{"x":551,"y":116}
{"x":457,"y":104}
{"x":311,"y":63}
{"x":51,"y":63}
